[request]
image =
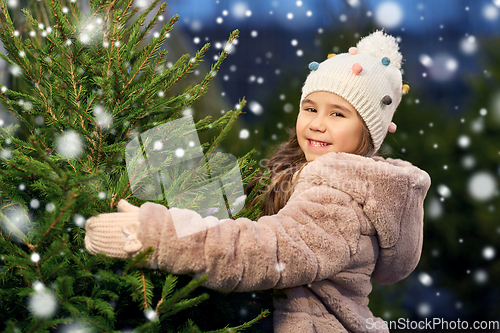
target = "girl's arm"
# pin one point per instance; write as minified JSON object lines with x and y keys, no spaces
{"x":284,"y":250}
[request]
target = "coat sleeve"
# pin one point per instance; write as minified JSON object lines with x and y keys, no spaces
{"x":300,"y":244}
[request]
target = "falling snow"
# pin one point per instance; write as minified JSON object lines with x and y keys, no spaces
{"x":425,"y":279}
{"x":424,"y":309}
{"x":468,"y":162}
{"x":489,"y":253}
{"x":444,"y":191}
{"x":389,"y":14}
{"x":469,"y":45}
{"x":255,"y":107}
{"x":34,"y":203}
{"x":280,"y":267}
{"x":35,"y":257}
{"x":42,"y":303}
{"x":50,"y":207}
{"x":480,"y":276}
{"x":490,"y":12}
{"x":463,"y":141}
{"x":69,"y":144}
{"x":240,"y":10}
{"x":244,"y":134}
{"x":482,"y":186}
{"x":434,"y":208}
{"x":18,"y":222}
{"x":79,"y":220}
{"x":151,"y":315}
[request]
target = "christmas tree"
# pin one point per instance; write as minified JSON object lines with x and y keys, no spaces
{"x":97,"y":121}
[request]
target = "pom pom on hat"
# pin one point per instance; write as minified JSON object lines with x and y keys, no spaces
{"x":313,"y":66}
{"x":392,"y":128}
{"x":381,"y":45}
{"x":406,"y":88}
{"x":357,"y":68}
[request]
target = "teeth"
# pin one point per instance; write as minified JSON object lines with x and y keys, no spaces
{"x":318,"y":144}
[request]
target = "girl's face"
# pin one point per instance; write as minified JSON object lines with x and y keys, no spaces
{"x":327,"y":123}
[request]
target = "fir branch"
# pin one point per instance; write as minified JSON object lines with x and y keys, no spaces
{"x":64,"y":27}
{"x":5,"y":241}
{"x":34,"y":327}
{"x":111,"y":44}
{"x":8,"y":106}
{"x":121,"y":13}
{"x":58,"y":45}
{"x":142,"y":257}
{"x":264,"y":313}
{"x":104,"y":308}
{"x":224,"y":131}
{"x":47,"y":159}
{"x":42,"y":172}
{"x":183,"y":292}
{"x":76,"y":11}
{"x":184,"y":304}
{"x":72,"y":196}
{"x":152,"y":48}
{"x":54,"y":272}
{"x":89,"y":18}
{"x":144,"y":291}
{"x":141,"y":287}
{"x":190,"y":327}
{"x":8,"y":21}
{"x":127,"y":17}
{"x":65,"y":284}
{"x":151,"y":72}
{"x":202,"y":87}
{"x":47,"y":257}
{"x":168,"y":287}
{"x":16,"y":57}
{"x":181,"y":73}
{"x":136,"y":40}
{"x":43,"y":10}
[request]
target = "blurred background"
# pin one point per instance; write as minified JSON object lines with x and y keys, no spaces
{"x":448,"y":124}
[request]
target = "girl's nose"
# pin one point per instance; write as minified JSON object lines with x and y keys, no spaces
{"x":317,"y":124}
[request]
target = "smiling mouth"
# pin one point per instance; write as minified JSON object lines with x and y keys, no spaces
{"x":318,"y":143}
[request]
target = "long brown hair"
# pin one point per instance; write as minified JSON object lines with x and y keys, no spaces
{"x":285,"y":161}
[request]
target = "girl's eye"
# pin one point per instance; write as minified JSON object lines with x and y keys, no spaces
{"x":337,"y":114}
{"x":310,"y":109}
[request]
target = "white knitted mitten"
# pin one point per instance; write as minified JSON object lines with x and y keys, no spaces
{"x":114,"y":234}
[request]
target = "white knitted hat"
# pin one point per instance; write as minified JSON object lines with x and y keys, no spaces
{"x":368,"y":77}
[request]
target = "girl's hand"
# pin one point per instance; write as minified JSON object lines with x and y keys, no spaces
{"x":125,"y":207}
{"x":114,"y":233}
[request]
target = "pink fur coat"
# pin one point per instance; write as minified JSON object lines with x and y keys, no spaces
{"x":350,"y":219}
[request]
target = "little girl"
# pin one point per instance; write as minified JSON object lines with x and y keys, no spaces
{"x":334,"y":216}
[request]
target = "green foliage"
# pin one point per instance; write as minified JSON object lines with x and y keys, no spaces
{"x":98,"y":77}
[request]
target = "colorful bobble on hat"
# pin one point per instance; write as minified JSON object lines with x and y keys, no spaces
{"x":386,"y":61}
{"x":392,"y":128}
{"x":387,"y":100}
{"x":406,"y":88}
{"x":353,"y":51}
{"x":357,"y":68}
{"x":331,"y":55}
{"x":313,"y":66}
